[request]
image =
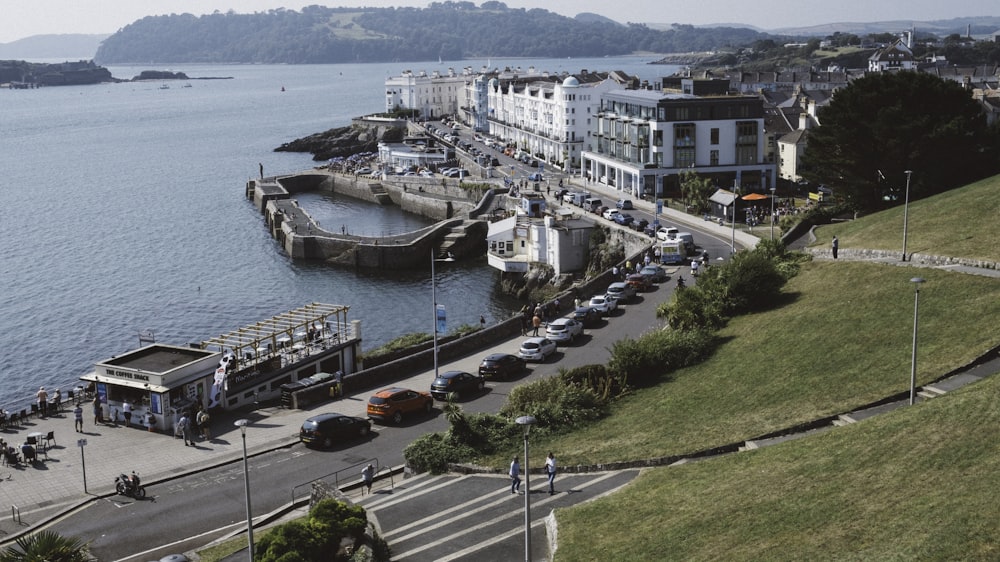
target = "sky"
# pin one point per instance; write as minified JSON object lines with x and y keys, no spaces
{"x":24,"y":18}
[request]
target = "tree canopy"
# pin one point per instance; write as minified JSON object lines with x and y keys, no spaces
{"x":886,"y":123}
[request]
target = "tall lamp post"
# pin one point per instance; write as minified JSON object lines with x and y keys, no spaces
{"x":906,"y":209}
{"x":526,"y":422}
{"x":913,"y":357}
{"x":437,"y":318}
{"x":242,"y":424}
{"x":736,"y":197}
{"x":772,"y":212}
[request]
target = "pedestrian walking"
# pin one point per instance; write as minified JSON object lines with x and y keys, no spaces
{"x":482,"y":322}
{"x":127,"y":412}
{"x":694,"y":267}
{"x":834,"y":246}
{"x":550,"y":469}
{"x":337,"y":390}
{"x":367,"y":475}
{"x":536,"y":322}
{"x":515,"y":476}
{"x":184,"y":427}
{"x":78,"y":418}
{"x":614,"y":274}
{"x":150,"y":421}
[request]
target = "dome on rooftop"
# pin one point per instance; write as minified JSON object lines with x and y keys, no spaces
{"x":570,"y":82}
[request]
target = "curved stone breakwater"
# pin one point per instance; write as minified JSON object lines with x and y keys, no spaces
{"x":459,"y":233}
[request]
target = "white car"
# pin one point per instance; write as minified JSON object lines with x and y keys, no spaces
{"x":564,"y":330}
{"x":620,"y":292}
{"x":610,"y":214}
{"x":603,"y":304}
{"x":536,"y":349}
{"x":666,"y":233}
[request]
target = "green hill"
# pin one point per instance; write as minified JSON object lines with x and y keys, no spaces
{"x":449,"y":30}
{"x":915,"y":483}
{"x":961,"y":223}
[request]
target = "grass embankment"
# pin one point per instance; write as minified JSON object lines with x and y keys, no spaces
{"x":916,"y":483}
{"x":958,"y":223}
{"x":842,"y":340}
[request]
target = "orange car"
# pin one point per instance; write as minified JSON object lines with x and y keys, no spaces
{"x":392,"y":404}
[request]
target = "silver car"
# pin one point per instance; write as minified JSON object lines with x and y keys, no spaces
{"x":603,"y":304}
{"x":564,"y":330}
{"x":536,"y":349}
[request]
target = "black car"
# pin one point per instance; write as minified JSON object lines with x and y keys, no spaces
{"x":640,"y":225}
{"x":501,"y":366}
{"x":457,"y":383}
{"x":325,"y":429}
{"x":587,"y":315}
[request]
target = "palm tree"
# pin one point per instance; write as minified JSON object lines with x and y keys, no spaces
{"x":46,"y":546}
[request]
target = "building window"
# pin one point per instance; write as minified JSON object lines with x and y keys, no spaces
{"x":715,"y":135}
{"x":713,"y":158}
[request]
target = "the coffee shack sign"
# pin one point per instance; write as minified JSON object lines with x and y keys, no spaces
{"x":128,"y":375}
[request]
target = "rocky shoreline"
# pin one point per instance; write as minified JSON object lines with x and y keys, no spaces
{"x":342,"y":142}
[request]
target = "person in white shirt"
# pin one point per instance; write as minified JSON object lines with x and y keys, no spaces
{"x":694,"y":268}
{"x":550,"y":469}
{"x":515,"y":476}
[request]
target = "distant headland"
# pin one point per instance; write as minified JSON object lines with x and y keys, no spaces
{"x":19,"y":74}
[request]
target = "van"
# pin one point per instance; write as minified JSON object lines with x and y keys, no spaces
{"x":673,"y":251}
{"x":688,"y":240}
{"x":577,"y":197}
{"x":592,"y":204}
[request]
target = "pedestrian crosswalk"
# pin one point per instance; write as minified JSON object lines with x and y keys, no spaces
{"x":465,"y":517}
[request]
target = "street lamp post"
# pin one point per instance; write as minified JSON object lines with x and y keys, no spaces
{"x":242,"y":424}
{"x":913,"y":357}
{"x":434,"y":304}
{"x":906,"y":209}
{"x":526,"y":422}
{"x":772,"y":212}
{"x":736,"y":197}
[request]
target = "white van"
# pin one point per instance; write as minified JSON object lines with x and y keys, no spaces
{"x":576,"y":197}
{"x":673,"y":251}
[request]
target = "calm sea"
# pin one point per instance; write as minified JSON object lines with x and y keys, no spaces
{"x":122,"y":210}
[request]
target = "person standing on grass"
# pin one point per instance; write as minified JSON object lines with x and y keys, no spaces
{"x":550,"y":469}
{"x":835,"y":245}
{"x":515,"y":476}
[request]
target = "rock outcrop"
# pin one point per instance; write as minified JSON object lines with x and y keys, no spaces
{"x":343,"y":141}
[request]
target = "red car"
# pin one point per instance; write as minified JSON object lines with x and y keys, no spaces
{"x":639,"y":282}
{"x":392,"y":404}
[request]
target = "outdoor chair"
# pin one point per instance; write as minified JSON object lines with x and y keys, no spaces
{"x":23,"y":417}
{"x":31,"y":441}
{"x":49,"y":439}
{"x":30,"y":456}
{"x":34,"y":410}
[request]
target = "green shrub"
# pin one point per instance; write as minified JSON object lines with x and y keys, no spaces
{"x":605,"y":384}
{"x":315,"y":538}
{"x":553,"y":403}
{"x":646,"y":360}
{"x":753,"y":282}
{"x":432,"y":453}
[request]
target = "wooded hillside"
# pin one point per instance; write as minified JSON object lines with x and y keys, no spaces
{"x":449,"y":30}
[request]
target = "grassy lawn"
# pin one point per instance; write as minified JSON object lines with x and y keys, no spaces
{"x":959,"y":223}
{"x":843,"y":340}
{"x":915,"y":484}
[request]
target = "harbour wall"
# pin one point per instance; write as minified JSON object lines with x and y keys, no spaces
{"x":302,"y":237}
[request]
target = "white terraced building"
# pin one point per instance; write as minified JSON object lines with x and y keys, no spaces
{"x":433,"y":95}
{"x":551,"y":117}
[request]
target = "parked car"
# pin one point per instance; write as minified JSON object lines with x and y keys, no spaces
{"x":501,"y":366}
{"x":623,"y":219}
{"x":624,"y":204}
{"x":587,"y":316}
{"x":610,"y":214}
{"x":655,"y":273}
{"x":621,"y":292}
{"x":364,"y":171}
{"x":392,"y":404}
{"x":325,"y":429}
{"x":640,"y":225}
{"x":537,"y":349}
{"x":563,"y":330}
{"x":458,"y":383}
{"x":536,"y":176}
{"x":650,"y":229}
{"x":666,"y":233}
{"x":603,"y":304}
{"x":639,"y":282}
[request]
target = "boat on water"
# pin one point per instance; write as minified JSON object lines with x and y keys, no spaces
{"x":164,"y":87}
{"x":188,"y":85}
